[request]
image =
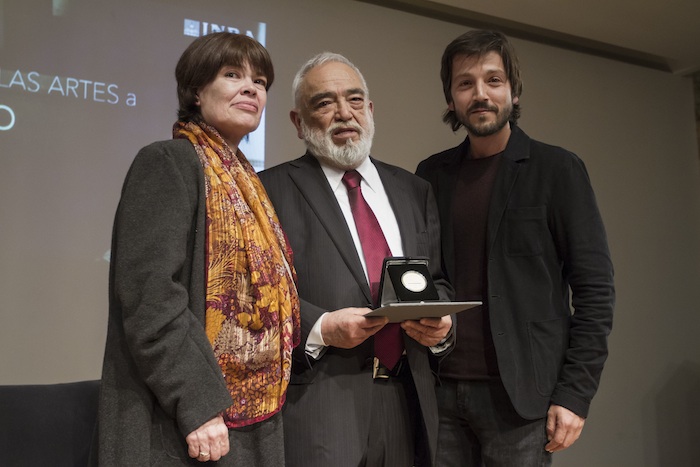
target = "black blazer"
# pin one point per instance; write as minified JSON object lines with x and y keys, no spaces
{"x":545,"y":236}
{"x":326,"y":417}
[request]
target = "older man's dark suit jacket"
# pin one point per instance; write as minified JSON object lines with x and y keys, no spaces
{"x":544,"y":236}
{"x":326,"y":417}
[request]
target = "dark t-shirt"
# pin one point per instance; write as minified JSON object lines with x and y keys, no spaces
{"x":474,"y":356}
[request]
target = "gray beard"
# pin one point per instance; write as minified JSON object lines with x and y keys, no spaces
{"x":346,"y":157}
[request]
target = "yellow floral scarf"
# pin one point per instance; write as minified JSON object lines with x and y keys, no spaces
{"x":252,"y":309}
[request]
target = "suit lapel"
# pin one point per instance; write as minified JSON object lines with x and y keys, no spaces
{"x":313,"y":185}
{"x":403,"y":211}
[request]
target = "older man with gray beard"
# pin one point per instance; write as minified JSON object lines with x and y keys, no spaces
{"x":350,"y":402}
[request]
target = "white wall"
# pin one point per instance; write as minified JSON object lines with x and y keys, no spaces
{"x":633,"y":127}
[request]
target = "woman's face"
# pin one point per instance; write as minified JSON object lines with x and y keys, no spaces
{"x":233,"y":103}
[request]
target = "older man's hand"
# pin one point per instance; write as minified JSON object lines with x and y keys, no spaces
{"x":428,"y":331}
{"x":348,"y":327}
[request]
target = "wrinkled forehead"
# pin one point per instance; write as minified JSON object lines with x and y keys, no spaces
{"x":332,"y":78}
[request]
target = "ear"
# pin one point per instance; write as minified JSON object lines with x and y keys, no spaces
{"x":371,"y":108}
{"x":516,"y":99}
{"x":451,"y":106}
{"x":196,"y":101}
{"x":296,"y":120}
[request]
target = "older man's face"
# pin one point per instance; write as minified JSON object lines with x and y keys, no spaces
{"x":335,"y":116}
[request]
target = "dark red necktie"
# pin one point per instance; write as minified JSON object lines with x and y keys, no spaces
{"x":388,"y":344}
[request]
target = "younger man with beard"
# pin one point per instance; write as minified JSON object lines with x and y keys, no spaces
{"x":520,"y":228}
{"x":338,"y":411}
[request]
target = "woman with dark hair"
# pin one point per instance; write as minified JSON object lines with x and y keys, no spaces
{"x":204,"y":311}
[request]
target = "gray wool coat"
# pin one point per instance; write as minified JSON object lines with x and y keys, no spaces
{"x":160,"y":378}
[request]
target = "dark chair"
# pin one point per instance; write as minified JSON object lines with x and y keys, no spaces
{"x":48,"y":425}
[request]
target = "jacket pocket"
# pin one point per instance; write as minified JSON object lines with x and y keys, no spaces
{"x":547,"y":346}
{"x":167,"y":443}
{"x":526,"y":230}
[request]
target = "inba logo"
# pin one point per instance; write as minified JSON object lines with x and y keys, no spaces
{"x":196,"y":28}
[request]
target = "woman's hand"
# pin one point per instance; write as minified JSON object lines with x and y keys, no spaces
{"x":209,"y":442}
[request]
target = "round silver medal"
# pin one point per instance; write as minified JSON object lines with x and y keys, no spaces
{"x":414,"y":281}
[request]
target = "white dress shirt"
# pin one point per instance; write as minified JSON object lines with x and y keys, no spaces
{"x":375,"y":195}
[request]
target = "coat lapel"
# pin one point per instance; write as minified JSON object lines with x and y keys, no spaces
{"x":313,"y":185}
{"x":517,"y":149}
{"x":446,"y":182}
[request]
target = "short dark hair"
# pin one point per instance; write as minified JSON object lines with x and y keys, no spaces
{"x":477,"y":43}
{"x":205,"y":56}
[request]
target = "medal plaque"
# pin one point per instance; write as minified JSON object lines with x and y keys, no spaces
{"x":407,"y":291}
{"x":406,"y":280}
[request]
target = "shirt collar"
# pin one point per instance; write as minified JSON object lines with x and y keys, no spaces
{"x":369,"y":173}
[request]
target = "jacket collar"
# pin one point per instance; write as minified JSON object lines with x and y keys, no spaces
{"x":517,"y":148}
